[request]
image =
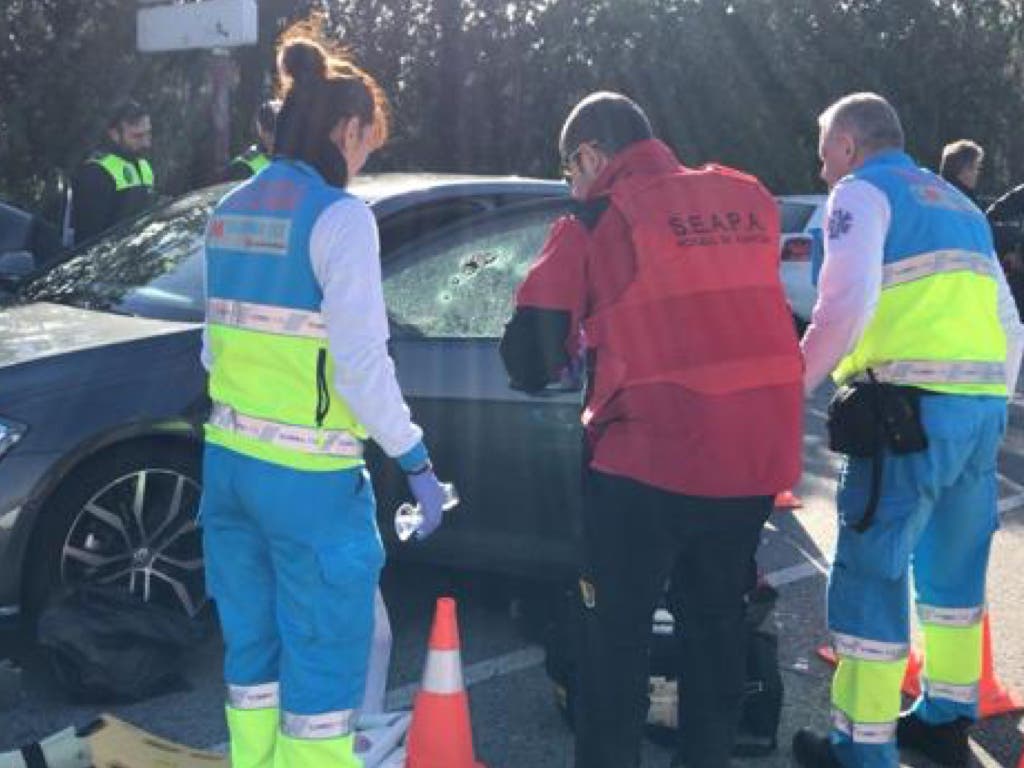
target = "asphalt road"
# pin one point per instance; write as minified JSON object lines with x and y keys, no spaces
{"x":514,"y":720}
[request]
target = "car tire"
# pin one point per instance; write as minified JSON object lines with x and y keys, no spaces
{"x":127,"y":517}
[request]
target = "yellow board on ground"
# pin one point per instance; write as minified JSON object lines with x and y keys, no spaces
{"x":121,"y":745}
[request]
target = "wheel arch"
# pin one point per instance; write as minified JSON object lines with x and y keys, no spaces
{"x":70,"y":467}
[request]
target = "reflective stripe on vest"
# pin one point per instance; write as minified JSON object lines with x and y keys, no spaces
{"x":936,"y":324}
{"x":913,"y":372}
{"x":327,"y":725}
{"x":936,"y":263}
{"x":266,"y":318}
{"x":863,"y":733}
{"x":325,"y":442}
{"x":124,"y":172}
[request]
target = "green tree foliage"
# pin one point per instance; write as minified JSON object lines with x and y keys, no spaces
{"x":483,"y":85}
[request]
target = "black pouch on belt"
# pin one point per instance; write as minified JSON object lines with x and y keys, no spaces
{"x":867,"y":417}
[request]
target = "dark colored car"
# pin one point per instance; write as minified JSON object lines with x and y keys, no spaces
{"x":102,"y":395}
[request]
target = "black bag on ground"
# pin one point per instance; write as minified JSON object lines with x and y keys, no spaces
{"x":762,"y":703}
{"x":105,"y":645}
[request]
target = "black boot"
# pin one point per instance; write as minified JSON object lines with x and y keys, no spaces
{"x":811,"y":750}
{"x":945,"y":744}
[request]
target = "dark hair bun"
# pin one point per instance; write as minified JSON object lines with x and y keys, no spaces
{"x":303,"y":61}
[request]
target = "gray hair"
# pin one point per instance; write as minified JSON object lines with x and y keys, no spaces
{"x":868,"y":118}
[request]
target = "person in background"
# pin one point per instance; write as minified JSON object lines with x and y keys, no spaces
{"x":672,"y":275}
{"x":961,"y":166}
{"x":257,"y":157}
{"x":296,"y":347}
{"x":116,"y":181}
{"x":910,"y":295}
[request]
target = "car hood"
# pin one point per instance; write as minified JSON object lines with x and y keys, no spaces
{"x":32,"y":331}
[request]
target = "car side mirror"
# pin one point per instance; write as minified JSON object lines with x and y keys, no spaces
{"x":817,"y":253}
{"x":15,"y":265}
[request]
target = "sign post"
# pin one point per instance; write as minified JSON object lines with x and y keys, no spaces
{"x":214,"y":25}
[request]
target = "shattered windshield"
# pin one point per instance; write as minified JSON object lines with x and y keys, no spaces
{"x":152,"y":267}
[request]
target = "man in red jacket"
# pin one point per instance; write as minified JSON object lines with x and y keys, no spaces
{"x":667,"y":278}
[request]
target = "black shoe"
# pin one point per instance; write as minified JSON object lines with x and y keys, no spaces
{"x":945,"y":744}
{"x":812,"y":750}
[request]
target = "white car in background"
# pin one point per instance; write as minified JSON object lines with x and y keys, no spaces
{"x":802,"y":221}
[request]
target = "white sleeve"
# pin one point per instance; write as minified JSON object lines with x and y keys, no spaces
{"x":345,"y":255}
{"x":857,"y":216}
{"x":1009,"y":318}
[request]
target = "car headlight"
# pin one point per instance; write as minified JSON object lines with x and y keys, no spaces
{"x":10,"y":433}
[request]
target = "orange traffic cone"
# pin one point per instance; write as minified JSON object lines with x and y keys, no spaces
{"x":912,"y":677}
{"x":994,"y":698}
{"x":440,"y":734}
{"x":788,"y":500}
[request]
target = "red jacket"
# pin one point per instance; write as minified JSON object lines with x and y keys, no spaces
{"x":672,"y":274}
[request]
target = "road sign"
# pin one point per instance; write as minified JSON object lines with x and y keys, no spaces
{"x":206,"y":24}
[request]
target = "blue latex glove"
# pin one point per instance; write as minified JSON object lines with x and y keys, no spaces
{"x":430,"y":496}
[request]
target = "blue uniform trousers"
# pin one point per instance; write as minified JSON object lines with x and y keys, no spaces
{"x":292,"y":561}
{"x":937,"y":513}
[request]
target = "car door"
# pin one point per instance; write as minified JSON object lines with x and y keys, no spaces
{"x":515,"y":459}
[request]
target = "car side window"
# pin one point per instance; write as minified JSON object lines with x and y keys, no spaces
{"x":461,"y":282}
{"x":794,"y":216}
{"x":419,"y":220}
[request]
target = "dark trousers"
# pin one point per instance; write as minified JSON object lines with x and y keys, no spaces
{"x":635,"y":536}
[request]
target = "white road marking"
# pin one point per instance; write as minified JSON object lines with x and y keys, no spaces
{"x":1012,"y":483}
{"x":489,"y":669}
{"x":985,"y":760}
{"x":795,"y":573}
{"x":1010,"y":503}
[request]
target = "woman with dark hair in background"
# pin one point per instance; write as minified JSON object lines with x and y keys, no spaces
{"x":299,"y":376}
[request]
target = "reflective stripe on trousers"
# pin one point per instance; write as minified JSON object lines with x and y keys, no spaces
{"x":863,"y":733}
{"x":324,"y":725}
{"x":260,"y":696}
{"x":868,"y":650}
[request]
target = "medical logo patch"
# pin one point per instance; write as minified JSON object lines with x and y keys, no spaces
{"x":253,"y":234}
{"x":839,"y":223}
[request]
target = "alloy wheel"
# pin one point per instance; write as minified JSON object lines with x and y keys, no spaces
{"x":139,"y":532}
